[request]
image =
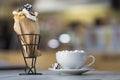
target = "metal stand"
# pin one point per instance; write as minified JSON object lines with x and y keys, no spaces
{"x":30,"y":70}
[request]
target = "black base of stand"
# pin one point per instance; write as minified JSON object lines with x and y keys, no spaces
{"x":30,"y":73}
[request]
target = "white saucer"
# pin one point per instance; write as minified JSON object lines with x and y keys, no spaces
{"x":71,"y":71}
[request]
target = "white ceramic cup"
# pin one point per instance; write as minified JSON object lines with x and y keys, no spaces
{"x":73,"y":59}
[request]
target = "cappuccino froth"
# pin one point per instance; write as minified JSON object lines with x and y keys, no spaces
{"x":71,"y":51}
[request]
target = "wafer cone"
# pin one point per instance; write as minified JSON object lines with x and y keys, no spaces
{"x":24,"y":25}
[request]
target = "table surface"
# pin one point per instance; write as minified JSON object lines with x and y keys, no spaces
{"x":51,"y":75}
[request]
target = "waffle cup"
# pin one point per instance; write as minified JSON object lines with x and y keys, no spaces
{"x":24,"y":25}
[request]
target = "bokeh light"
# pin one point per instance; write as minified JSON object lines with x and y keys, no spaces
{"x":53,"y":43}
{"x":64,"y":38}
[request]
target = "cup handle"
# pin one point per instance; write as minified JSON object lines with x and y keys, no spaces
{"x":93,"y":60}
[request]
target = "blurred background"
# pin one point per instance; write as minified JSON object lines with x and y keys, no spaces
{"x":90,"y":25}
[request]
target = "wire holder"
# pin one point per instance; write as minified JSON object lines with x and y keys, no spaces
{"x":30,"y":69}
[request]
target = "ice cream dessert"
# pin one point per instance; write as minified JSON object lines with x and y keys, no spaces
{"x":26,"y":22}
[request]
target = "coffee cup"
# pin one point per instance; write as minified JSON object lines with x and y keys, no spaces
{"x":73,"y":59}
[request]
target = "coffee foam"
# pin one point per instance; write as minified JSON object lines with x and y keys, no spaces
{"x":68,"y":52}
